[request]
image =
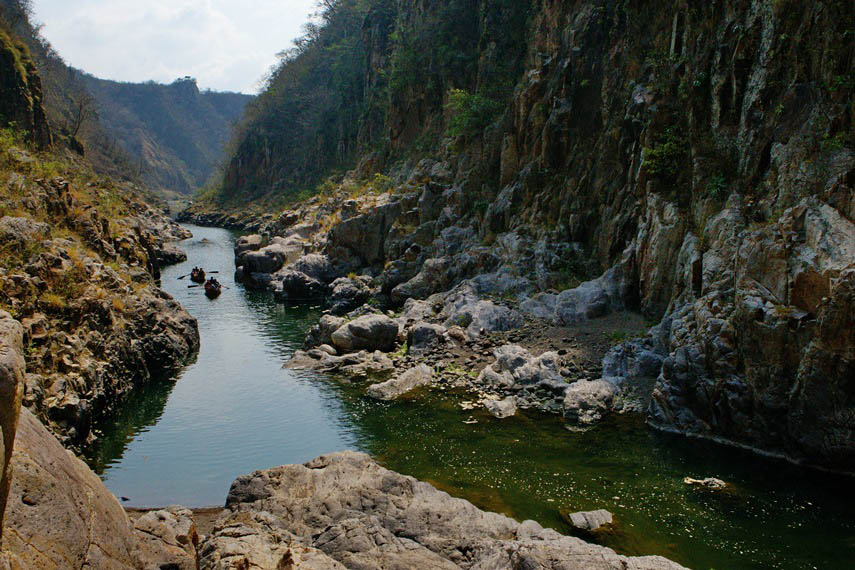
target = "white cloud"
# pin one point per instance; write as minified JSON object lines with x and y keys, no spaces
{"x":225,"y":44}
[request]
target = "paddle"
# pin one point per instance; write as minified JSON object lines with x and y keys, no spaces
{"x":183,"y":276}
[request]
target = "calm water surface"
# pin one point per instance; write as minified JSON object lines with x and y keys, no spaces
{"x":236,"y":410}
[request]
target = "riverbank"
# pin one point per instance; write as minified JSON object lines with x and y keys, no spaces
{"x":80,"y":260}
{"x":220,"y":421}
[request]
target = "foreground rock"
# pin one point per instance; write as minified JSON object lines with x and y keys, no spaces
{"x":345,"y":511}
{"x":11,"y":390}
{"x":63,"y":516}
{"x":169,"y":536}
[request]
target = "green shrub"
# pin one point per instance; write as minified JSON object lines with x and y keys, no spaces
{"x":668,"y":156}
{"x":470,"y":113}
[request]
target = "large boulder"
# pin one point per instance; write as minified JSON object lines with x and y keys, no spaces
{"x":248,"y":243}
{"x":63,"y":517}
{"x":321,"y":333}
{"x":349,"y":293}
{"x":12,"y":368}
{"x":589,"y":300}
{"x":351,"y":510}
{"x":535,"y":381}
{"x":368,"y":332}
{"x":316,"y":266}
{"x":170,"y":254}
{"x":271,"y":258}
{"x":423,"y":336}
{"x":22,"y":230}
{"x":586,"y":402}
{"x":291,"y":285}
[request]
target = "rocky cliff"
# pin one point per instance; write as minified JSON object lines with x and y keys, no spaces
{"x":21,"y":91}
{"x":78,"y":268}
{"x":692,"y":162}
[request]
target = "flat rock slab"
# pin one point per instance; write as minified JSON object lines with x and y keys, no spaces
{"x":421,"y":375}
{"x":347,"y":509}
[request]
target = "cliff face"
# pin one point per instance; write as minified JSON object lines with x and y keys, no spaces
{"x":709,"y":149}
{"x":21,"y":92}
{"x":702,"y":151}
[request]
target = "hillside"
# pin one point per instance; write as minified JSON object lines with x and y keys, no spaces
{"x":168,"y":138}
{"x":691,"y":162}
{"x":177,"y":133}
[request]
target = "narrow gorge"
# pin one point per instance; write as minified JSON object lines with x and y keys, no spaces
{"x":505,"y":285}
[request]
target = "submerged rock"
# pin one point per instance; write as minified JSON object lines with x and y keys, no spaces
{"x":502,"y":408}
{"x":589,"y":521}
{"x":710,"y":483}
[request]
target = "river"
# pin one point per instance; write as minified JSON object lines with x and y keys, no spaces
{"x":235,"y":410}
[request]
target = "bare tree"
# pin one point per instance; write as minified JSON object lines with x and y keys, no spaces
{"x":83,"y":109}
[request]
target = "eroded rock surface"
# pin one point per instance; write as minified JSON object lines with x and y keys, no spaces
{"x":345,"y":509}
{"x":63,"y":516}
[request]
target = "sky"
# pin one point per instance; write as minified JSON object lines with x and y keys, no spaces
{"x":227,"y":45}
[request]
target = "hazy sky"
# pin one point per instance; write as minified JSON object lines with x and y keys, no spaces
{"x":224,"y":44}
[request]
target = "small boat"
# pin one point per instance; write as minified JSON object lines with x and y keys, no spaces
{"x":197,"y":275}
{"x":213,"y":289}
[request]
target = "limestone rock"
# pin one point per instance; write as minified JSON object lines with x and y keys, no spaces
{"x":65,"y":517}
{"x":169,"y":254}
{"x":316,"y":266}
{"x":590,"y":520}
{"x":423,"y":336}
{"x":168,"y":538}
{"x":348,"y":294}
{"x":291,"y":285}
{"x":258,"y":540}
{"x":421,"y":375}
{"x":22,"y":230}
{"x":369,"y":332}
{"x":363,"y":516}
{"x":321,"y":333}
{"x":586,"y":402}
{"x":502,"y":409}
{"x":248,"y":243}
{"x":12,"y":369}
{"x":589,"y":300}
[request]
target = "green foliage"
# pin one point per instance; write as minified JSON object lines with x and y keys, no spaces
{"x":469,"y":113}
{"x":667,"y":157}
{"x":718,"y":187}
{"x":372,"y":76}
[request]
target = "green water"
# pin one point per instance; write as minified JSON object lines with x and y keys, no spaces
{"x":236,"y":410}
